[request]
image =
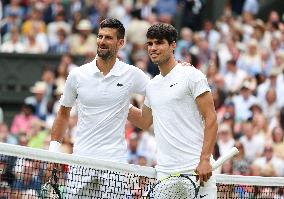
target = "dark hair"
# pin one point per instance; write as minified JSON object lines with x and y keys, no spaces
{"x":232,"y":62}
{"x":282,"y":118}
{"x":162,"y":31}
{"x":115,"y":24}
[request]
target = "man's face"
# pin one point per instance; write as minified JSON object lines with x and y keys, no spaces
{"x":160,"y":51}
{"x":108,"y":43}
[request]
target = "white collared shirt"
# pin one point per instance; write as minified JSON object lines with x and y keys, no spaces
{"x":102,"y":103}
{"x":178,"y":125}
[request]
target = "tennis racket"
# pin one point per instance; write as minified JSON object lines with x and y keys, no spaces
{"x":51,"y":188}
{"x":183,"y":186}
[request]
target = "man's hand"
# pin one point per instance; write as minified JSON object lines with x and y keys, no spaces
{"x":204,"y":171}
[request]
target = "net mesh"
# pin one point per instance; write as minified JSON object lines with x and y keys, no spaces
{"x":33,"y":173}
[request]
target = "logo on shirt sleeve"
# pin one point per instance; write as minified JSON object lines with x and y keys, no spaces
{"x":119,"y":84}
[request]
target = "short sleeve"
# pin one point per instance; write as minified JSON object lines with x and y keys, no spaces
{"x":197,"y":83}
{"x":140,"y":81}
{"x":69,"y":95}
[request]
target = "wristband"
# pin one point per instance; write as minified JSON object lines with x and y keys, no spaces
{"x":54,"y":146}
{"x":130,"y":106}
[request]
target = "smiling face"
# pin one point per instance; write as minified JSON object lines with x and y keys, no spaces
{"x":160,"y":51}
{"x":108,"y":43}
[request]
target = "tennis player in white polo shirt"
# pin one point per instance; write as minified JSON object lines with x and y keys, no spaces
{"x":101,"y":90}
{"x":180,"y":105}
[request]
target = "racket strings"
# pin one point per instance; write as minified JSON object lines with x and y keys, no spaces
{"x":175,"y":187}
{"x":50,"y":188}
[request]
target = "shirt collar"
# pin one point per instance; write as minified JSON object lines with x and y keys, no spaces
{"x":117,"y":69}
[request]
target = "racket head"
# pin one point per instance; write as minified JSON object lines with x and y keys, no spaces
{"x":177,"y":186}
{"x":49,"y":191}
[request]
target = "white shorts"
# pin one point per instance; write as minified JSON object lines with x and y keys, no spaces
{"x":91,"y":183}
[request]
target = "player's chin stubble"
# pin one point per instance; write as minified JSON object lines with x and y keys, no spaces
{"x":104,"y":55}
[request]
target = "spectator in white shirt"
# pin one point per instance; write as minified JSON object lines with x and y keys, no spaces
{"x":253,"y":143}
{"x":14,"y":45}
{"x":269,"y":164}
{"x":234,"y":77}
{"x":243,"y":102}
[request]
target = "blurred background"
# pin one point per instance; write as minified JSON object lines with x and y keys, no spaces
{"x":238,"y":44}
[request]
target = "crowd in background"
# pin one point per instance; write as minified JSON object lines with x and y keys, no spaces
{"x":242,"y":56}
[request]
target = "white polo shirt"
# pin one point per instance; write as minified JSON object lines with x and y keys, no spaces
{"x":102,"y":103}
{"x":178,"y":125}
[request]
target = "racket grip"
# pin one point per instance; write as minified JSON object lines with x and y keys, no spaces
{"x":234,"y":151}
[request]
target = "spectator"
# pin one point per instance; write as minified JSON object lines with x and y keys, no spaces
{"x":210,"y":35}
{"x":14,"y":44}
{"x":251,"y":6}
{"x":166,"y":10}
{"x":225,"y":138}
{"x":278,"y":142}
{"x":34,"y":22}
{"x":15,"y":8}
{"x":6,"y":136}
{"x":253,"y":143}
{"x":145,"y":9}
{"x":147,"y":147}
{"x":38,"y":100}
{"x":32,"y":45}
{"x":234,"y":77}
{"x":240,"y":165}
{"x":61,"y":46}
{"x":269,"y":106}
{"x":37,"y":134}
{"x":120,"y":9}
{"x":250,"y":61}
{"x":184,"y":44}
{"x":136,"y":29}
{"x":58,"y":25}
{"x":27,"y":176}
{"x":10,"y":22}
{"x":243,"y":102}
{"x":22,"y":121}
{"x":84,"y":41}
{"x":132,"y":149}
{"x":269,"y":164}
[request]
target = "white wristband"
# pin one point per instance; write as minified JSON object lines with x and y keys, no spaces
{"x":54,"y":146}
{"x":130,"y":106}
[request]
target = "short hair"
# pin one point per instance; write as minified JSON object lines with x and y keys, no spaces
{"x":115,"y":24}
{"x":232,"y":62}
{"x":162,"y":31}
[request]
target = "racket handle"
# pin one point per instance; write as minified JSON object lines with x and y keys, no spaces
{"x":233,"y":151}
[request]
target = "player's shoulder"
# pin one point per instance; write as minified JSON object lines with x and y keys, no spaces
{"x":191,"y":72}
{"x":154,"y":81}
{"x":128,"y":68}
{"x":83,"y":68}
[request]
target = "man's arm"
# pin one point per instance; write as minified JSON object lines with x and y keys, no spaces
{"x":59,"y":128}
{"x":207,"y":110}
{"x":140,"y":118}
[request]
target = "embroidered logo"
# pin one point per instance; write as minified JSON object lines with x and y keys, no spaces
{"x":173,"y":84}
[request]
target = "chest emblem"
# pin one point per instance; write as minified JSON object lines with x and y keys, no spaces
{"x":173,"y":84}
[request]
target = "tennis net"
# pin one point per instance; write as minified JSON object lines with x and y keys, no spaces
{"x":35,"y":173}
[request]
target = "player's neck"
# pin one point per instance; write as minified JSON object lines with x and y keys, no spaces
{"x":166,"y":67}
{"x":105,"y":65}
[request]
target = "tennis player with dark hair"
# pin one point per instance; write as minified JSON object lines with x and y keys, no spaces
{"x":180,"y":105}
{"x":101,"y":90}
